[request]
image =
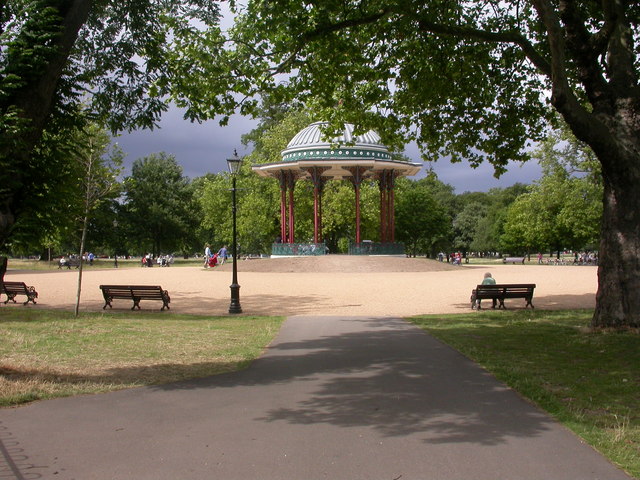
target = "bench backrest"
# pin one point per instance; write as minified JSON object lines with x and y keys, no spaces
{"x":14,"y":286}
{"x":132,"y":290}
{"x":507,"y":288}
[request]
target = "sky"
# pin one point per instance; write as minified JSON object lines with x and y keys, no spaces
{"x":202,"y":148}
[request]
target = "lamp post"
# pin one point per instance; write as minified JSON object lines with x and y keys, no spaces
{"x":115,"y":249}
{"x":234,"y":167}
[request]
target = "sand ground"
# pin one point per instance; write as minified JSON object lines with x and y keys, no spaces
{"x":331,"y":285}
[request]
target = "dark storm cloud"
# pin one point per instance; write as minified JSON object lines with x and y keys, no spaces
{"x":199,"y":148}
{"x":204,"y":148}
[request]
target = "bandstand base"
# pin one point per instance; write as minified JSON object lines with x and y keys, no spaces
{"x":317,"y":249}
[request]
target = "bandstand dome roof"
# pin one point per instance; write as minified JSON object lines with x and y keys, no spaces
{"x":336,"y":156}
{"x":312,"y":137}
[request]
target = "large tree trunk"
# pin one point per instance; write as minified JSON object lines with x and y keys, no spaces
{"x":33,"y":102}
{"x":617,"y":300}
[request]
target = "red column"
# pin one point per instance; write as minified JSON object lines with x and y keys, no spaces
{"x":382,"y":183}
{"x":316,"y":214}
{"x":318,"y":184}
{"x":391,"y":215}
{"x":291,"y":181}
{"x":282,"y":177}
{"x":320,"y":236}
{"x":315,"y":173}
{"x":357,"y":188}
{"x":356,"y":179}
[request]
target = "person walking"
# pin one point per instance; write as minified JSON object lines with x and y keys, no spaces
{"x":207,"y":255}
{"x":222,"y":254}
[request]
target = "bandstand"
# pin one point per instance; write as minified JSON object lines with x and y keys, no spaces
{"x":346,"y":157}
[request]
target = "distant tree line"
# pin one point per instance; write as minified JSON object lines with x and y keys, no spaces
{"x":156,"y":209}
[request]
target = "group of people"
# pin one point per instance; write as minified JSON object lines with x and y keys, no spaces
{"x":579,"y":258}
{"x":213,"y":259}
{"x":454,"y":258}
{"x":161,"y":260}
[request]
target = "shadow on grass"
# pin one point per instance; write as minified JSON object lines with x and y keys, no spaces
{"x":109,"y":379}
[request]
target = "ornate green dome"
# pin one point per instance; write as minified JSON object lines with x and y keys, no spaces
{"x":341,"y":157}
{"x":310,"y":144}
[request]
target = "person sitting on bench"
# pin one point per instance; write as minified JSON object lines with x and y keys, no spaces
{"x":488,"y":280}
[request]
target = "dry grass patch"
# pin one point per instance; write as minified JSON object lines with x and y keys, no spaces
{"x":48,"y":354}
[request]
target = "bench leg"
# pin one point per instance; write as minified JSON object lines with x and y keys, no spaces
{"x":494,"y":302}
{"x":136,"y":303}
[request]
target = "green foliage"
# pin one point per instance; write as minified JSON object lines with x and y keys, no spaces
{"x":339,"y":214}
{"x":158,"y":214}
{"x":368,"y":63}
{"x":258,"y":210}
{"x":466,"y":224}
{"x":490,"y":227}
{"x":421,"y":223}
{"x":52,"y":211}
{"x":524,"y":231}
{"x":561,"y":210}
{"x":126,"y":92}
{"x":63,"y":62}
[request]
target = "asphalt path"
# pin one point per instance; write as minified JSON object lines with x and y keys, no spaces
{"x":331,"y":398}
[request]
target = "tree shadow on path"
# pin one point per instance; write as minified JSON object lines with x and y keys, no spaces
{"x":385,"y":375}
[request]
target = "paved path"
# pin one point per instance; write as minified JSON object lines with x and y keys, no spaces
{"x":332,"y":398}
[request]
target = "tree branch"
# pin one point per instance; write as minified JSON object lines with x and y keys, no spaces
{"x":580,"y":42}
{"x":327,"y":29}
{"x":620,"y":59}
{"x":513,"y":38}
{"x":583,"y":124}
{"x":562,"y":96}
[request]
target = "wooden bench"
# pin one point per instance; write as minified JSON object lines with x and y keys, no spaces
{"x":135,"y":293}
{"x":513,"y":260}
{"x":69,"y":262}
{"x":500,"y":292}
{"x":11,"y":289}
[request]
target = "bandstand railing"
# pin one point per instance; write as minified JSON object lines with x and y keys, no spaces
{"x":298,"y":249}
{"x":373,"y":248}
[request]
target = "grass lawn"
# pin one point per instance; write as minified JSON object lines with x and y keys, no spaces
{"x":46,"y":354}
{"x":589,"y":381}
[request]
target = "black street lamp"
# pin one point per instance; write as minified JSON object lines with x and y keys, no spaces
{"x":234,"y":167}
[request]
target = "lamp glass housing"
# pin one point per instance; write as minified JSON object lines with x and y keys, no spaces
{"x":234,"y":164}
